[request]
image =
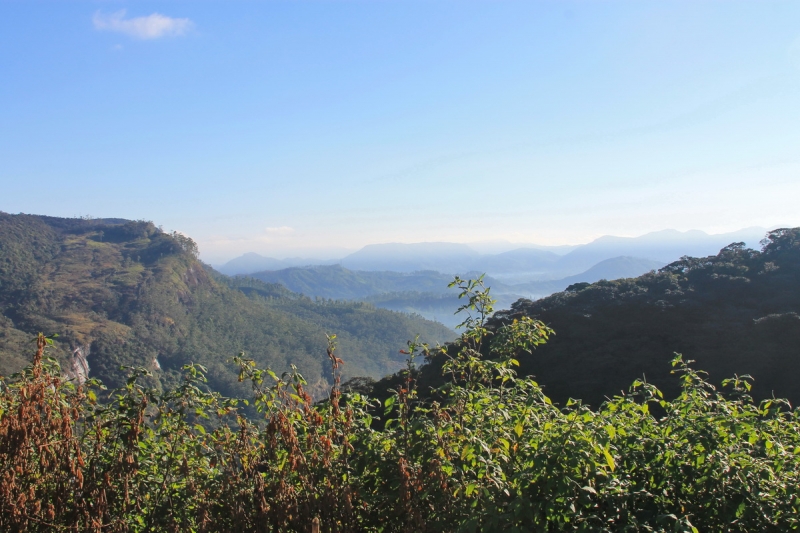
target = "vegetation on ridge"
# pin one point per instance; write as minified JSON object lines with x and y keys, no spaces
{"x":127,"y":293}
{"x":736,"y":312}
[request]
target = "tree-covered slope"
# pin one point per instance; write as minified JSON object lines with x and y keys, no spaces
{"x":126,"y":293}
{"x":423,"y":292}
{"x":335,"y":281}
{"x":736,"y":312}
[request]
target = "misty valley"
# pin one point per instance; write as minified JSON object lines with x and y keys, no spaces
{"x":413,"y":277}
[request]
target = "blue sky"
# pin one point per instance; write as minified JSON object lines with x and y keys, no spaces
{"x":294,"y":128}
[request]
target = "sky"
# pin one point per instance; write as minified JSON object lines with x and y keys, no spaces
{"x":305,"y":128}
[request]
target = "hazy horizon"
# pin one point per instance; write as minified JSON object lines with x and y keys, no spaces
{"x":482,"y":247}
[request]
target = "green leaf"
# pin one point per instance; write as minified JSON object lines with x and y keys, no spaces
{"x":609,"y":459}
{"x":388,"y":404}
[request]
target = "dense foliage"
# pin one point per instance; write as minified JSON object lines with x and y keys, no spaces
{"x":490,"y":453}
{"x":127,"y":293}
{"x":738,"y":311}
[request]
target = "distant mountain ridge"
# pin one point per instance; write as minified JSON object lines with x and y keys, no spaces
{"x":253,"y":262}
{"x":665,"y":246}
{"x":523,"y":264}
{"x":444,"y":257}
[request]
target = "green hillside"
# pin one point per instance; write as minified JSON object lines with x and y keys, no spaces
{"x":736,"y":312}
{"x":127,"y":293}
{"x":335,"y":281}
{"x":424,"y":292}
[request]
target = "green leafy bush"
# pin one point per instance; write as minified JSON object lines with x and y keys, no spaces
{"x":488,"y":451}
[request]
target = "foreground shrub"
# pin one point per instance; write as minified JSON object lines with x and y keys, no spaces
{"x":490,"y":452}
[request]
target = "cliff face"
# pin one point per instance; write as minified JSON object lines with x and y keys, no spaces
{"x":78,"y":367}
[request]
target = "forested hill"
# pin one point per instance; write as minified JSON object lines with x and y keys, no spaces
{"x":736,"y":312}
{"x":127,"y":293}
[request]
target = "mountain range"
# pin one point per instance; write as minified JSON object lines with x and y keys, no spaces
{"x":521,"y":264}
{"x":413,"y":277}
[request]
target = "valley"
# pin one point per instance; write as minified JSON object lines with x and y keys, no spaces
{"x":413,"y":278}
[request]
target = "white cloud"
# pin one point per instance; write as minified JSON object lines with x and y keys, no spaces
{"x":152,"y":26}
{"x":279,"y":230}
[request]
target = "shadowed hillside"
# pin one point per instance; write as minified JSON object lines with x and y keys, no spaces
{"x":736,"y":312}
